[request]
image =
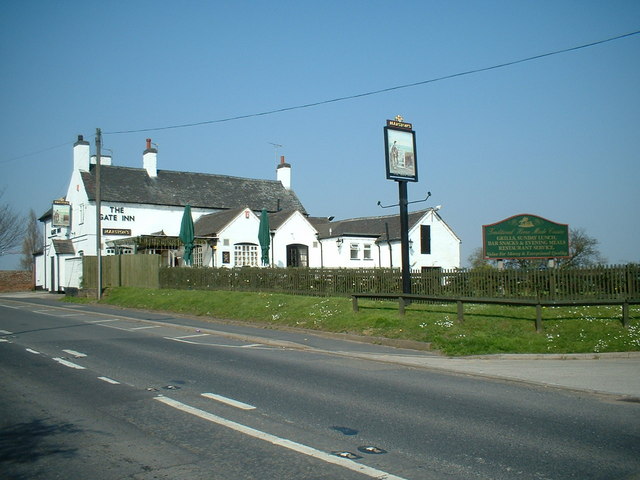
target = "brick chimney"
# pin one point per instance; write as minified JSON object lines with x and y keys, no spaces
{"x":150,"y":160}
{"x":283,"y":173}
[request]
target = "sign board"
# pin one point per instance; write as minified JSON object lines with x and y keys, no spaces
{"x":400,"y":151}
{"x":116,"y":231}
{"x":525,"y":236}
{"x":61,"y":211}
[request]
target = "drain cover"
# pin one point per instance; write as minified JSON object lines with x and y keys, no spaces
{"x":349,"y":455}
{"x":371,"y":450}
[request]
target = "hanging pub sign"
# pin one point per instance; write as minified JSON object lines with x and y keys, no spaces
{"x":525,"y":236}
{"x":400,"y":151}
{"x":61,"y":213}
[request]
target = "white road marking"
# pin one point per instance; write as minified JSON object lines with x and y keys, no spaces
{"x":35,"y":352}
{"x":103,"y":321}
{"x":143,"y":328}
{"x":5,"y":332}
{"x":72,"y":315}
{"x":4,"y":340}
{"x":252,"y":345}
{"x":281,"y":442}
{"x":61,"y":361}
{"x":109,"y":380}
{"x":9,"y":306}
{"x":193,"y":336}
{"x":228,"y":401}
{"x":75,"y":354}
{"x":111,"y":326}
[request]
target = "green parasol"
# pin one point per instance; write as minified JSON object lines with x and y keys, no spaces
{"x":264,"y":236}
{"x":187,"y":234}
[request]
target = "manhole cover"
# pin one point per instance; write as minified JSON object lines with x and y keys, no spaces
{"x":371,"y":450}
{"x":349,"y":455}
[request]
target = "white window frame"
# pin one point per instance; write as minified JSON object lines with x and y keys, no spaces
{"x":354,"y":251}
{"x":366,"y":252}
{"x":245,"y":254}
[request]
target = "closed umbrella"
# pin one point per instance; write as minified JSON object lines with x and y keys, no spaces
{"x":264,"y":236}
{"x":187,"y":234}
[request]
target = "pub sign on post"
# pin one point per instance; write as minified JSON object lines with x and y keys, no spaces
{"x":400,"y":151}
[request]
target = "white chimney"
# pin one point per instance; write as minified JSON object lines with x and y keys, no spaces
{"x":150,"y":160}
{"x":81,"y":154}
{"x":283,"y":173}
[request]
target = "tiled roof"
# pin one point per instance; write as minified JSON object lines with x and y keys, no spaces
{"x":365,"y":226}
{"x":201,"y":190}
{"x":212,"y":223}
{"x":63,"y":247}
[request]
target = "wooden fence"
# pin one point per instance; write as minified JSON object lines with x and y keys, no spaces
{"x":606,"y":283}
{"x":141,"y":271}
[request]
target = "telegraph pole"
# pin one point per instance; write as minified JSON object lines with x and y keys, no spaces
{"x":98,"y":219}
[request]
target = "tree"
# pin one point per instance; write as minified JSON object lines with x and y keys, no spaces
{"x":11,"y":228}
{"x":31,"y":243}
{"x":583,"y":250}
{"x":476,"y":259}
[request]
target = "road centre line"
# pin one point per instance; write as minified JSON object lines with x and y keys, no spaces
{"x":228,"y":401}
{"x":103,"y":321}
{"x":194,"y":336}
{"x":109,"y":380}
{"x":75,"y":354}
{"x":281,"y":442}
{"x":6,"y":332}
{"x":35,"y":352}
{"x":68,"y":364}
{"x":144,"y":328}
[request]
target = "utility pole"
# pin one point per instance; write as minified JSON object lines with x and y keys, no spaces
{"x":98,"y":219}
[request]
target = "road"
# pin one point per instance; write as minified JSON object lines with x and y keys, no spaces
{"x":104,"y":394}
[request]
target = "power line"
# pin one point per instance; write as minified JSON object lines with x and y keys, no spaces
{"x":377,"y":92}
{"x":13,"y":159}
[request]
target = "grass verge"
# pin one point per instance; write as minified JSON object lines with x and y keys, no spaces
{"x":487,"y":329}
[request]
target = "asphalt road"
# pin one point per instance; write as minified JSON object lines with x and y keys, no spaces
{"x":88,"y":394}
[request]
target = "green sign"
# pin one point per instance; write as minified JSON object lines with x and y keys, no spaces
{"x":525,"y":236}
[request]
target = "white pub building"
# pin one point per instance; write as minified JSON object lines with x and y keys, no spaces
{"x":142,"y":208}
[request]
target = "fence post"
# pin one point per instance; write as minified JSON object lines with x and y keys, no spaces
{"x":538,"y":317}
{"x":460,"y":311}
{"x":354,"y":303}
{"x":625,"y":314}
{"x":401,"y":305}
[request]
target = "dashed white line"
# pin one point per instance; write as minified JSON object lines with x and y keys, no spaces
{"x":5,"y":332}
{"x":228,"y":401}
{"x":75,"y":354}
{"x":109,"y":380}
{"x":103,"y":321}
{"x":66,"y":363}
{"x":35,"y":352}
{"x":281,"y":442}
{"x":144,"y":328}
{"x":194,"y":336}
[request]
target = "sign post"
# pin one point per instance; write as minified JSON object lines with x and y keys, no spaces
{"x":402,"y":167}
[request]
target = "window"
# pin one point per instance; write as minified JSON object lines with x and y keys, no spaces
{"x":355,"y":251}
{"x":245,"y":254}
{"x":366,"y":252}
{"x":425,"y":239}
{"x":81,"y":214}
{"x":197,"y":256}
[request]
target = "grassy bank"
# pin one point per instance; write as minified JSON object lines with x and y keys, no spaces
{"x":487,"y":328}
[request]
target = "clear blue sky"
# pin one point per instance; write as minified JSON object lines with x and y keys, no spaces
{"x":557,"y":137}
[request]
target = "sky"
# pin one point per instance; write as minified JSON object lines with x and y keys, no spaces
{"x":557,"y":136}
